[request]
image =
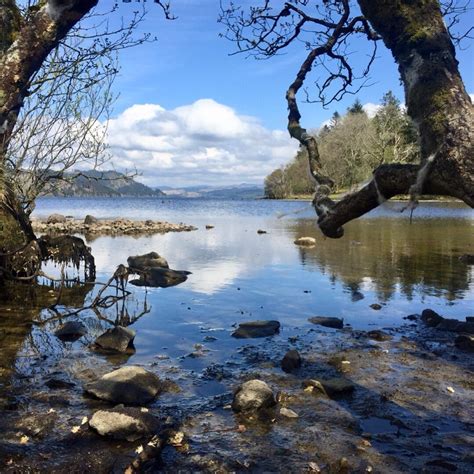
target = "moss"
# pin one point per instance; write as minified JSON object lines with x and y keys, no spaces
{"x":11,"y":236}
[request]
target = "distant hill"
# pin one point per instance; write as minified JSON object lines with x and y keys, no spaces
{"x":238,"y":191}
{"x":102,"y":183}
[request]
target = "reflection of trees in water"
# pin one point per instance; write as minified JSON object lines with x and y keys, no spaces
{"x":415,"y":258}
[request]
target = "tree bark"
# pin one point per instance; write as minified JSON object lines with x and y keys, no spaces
{"x":436,"y":101}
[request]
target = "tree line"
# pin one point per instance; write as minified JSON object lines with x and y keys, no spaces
{"x":351,"y":146}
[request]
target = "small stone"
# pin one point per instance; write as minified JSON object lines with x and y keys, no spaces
{"x":254,"y":329}
{"x":209,"y":226}
{"x":329,"y":322}
{"x":450,"y":389}
{"x":286,"y":412}
{"x":313,"y":385}
{"x":176,"y":438}
{"x":291,"y":361}
{"x":71,"y":331}
{"x":412,"y":317}
{"x":253,"y":395}
{"x":117,"y":339}
{"x":376,"y":306}
{"x":465,"y":342}
{"x":260,"y":231}
{"x":123,"y":423}
{"x":306,"y":241}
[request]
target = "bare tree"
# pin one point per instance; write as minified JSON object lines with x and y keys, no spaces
{"x":423,"y":48}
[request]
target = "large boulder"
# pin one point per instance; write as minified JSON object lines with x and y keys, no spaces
{"x":71,"y":331}
{"x":117,"y":339}
{"x":253,"y":329}
{"x":124,"y":423}
{"x":56,"y":219}
{"x":160,"y":277}
{"x":328,"y":322}
{"x":131,"y":385}
{"x":253,"y":395}
{"x":90,"y":220}
{"x":149,"y":260}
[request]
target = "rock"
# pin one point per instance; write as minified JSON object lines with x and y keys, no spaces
{"x":58,"y":384}
{"x":161,"y":277}
{"x":306,"y":241}
{"x":467,"y":258}
{"x":376,"y":306}
{"x":209,"y":226}
{"x":357,"y":296}
{"x":149,"y":260}
{"x":56,"y":219}
{"x":71,"y":331}
{"x":260,"y":231}
{"x":253,"y":395}
{"x":328,"y":322}
{"x":286,"y":412}
{"x":131,"y":385}
{"x":412,"y":317}
{"x":252,"y":329}
{"x":117,"y":339}
{"x":378,"y":335}
{"x":90,"y":220}
{"x":291,"y":361}
{"x":314,"y":386}
{"x":431,"y":318}
{"x":465,"y":342}
{"x":124,"y":423}
{"x":338,"y":386}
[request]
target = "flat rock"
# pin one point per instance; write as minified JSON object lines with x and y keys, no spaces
{"x":253,"y":329}
{"x":117,"y":339}
{"x":288,"y":413}
{"x":338,"y":386}
{"x":306,"y":241}
{"x":379,"y":335}
{"x":328,"y":322}
{"x":131,"y":385}
{"x":124,"y":423}
{"x":253,"y":395}
{"x":465,"y":342}
{"x":71,"y":331}
{"x":291,"y":361}
{"x":161,"y":277}
{"x":148,"y":260}
{"x":433,"y":319}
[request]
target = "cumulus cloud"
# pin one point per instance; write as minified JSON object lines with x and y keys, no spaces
{"x":201,"y":143}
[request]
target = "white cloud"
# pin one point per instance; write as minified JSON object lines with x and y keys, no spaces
{"x":201,"y":143}
{"x":371,"y":109}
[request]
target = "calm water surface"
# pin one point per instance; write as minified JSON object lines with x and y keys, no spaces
{"x":238,"y":275}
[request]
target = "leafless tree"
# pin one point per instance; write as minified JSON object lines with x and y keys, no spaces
{"x":424,"y":49}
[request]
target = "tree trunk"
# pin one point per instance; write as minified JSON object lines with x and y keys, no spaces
{"x":436,"y":101}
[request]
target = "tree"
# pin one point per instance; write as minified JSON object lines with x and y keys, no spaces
{"x":424,"y":49}
{"x":356,"y":108}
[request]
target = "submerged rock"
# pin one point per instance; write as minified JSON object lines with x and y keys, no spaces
{"x":253,"y":395}
{"x":431,"y":318}
{"x":291,"y":361}
{"x":328,"y":322}
{"x":131,"y":385}
{"x":124,"y":423}
{"x":379,"y":335}
{"x":117,"y":339}
{"x":338,"y":386}
{"x":71,"y":331}
{"x":376,"y":306}
{"x":146,"y":261}
{"x":306,"y":241}
{"x":253,"y":329}
{"x":160,"y":277}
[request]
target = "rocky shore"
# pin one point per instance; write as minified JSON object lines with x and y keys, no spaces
{"x":59,"y":224}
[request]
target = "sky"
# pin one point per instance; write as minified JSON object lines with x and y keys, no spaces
{"x":190,"y":112}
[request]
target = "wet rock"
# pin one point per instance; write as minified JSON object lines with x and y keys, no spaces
{"x":467,"y":258}
{"x":71,"y":331}
{"x":431,"y":318}
{"x":291,"y":361}
{"x":131,"y":385}
{"x":253,"y":329}
{"x":338,"y":386}
{"x":209,"y":226}
{"x":90,"y":220}
{"x":306,"y":241}
{"x":56,"y":219}
{"x":376,"y":306}
{"x":253,"y":395}
{"x":158,"y":277}
{"x":328,"y":322}
{"x":378,"y":335}
{"x":117,"y":339}
{"x":287,"y":413}
{"x":357,"y":296}
{"x":314,"y":386}
{"x":124,"y":423}
{"x":260,"y":231}
{"x":58,"y":384}
{"x":149,"y":260}
{"x":465,"y":342}
{"x":340,"y":363}
{"x":412,"y":317}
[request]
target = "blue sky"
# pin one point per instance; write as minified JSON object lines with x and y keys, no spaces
{"x":189,"y":73}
